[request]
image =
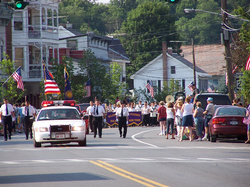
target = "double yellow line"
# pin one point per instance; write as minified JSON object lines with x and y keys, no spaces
{"x":127,"y":174}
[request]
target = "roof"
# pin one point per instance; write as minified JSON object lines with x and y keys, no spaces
{"x":174,"y":55}
{"x":209,"y":58}
{"x":187,"y":63}
{"x":116,"y":45}
{"x":75,"y":32}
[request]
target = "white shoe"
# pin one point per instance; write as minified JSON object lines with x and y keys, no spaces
{"x":199,"y":139}
{"x":160,"y":134}
{"x":204,"y":138}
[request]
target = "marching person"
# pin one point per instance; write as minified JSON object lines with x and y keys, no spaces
{"x":122,"y":114}
{"x":88,"y":111}
{"x":145,"y":110}
{"x":153,"y":115}
{"x":138,"y":107}
{"x":209,"y":112}
{"x":28,"y":112}
{"x":6,"y":112}
{"x":98,"y":113}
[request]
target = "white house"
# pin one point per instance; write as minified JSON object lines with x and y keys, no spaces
{"x":177,"y":67}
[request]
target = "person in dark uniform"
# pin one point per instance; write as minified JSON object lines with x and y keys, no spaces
{"x":98,"y":112}
{"x":122,"y":116}
{"x":6,"y":112}
{"x":29,"y":112}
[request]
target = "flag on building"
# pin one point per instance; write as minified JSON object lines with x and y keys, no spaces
{"x":50,"y":86}
{"x":190,"y":86}
{"x":87,"y":88}
{"x":68,"y":95}
{"x":18,"y":78}
{"x":248,"y":64}
{"x":150,"y":89}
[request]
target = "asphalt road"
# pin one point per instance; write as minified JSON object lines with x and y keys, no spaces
{"x":141,"y":159}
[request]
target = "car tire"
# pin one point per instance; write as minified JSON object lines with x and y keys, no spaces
{"x":213,"y":138}
{"x":36,"y":144}
{"x":83,"y":143}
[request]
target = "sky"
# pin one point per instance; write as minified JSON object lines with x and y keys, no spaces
{"x":102,"y":1}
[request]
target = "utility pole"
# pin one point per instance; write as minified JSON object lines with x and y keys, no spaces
{"x":228,"y":55}
{"x":192,"y":41}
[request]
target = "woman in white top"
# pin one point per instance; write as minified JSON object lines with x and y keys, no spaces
{"x":187,"y":119}
{"x":170,"y":119}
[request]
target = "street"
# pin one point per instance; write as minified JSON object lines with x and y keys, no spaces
{"x":141,"y":159}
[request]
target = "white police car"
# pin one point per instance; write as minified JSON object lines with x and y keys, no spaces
{"x":59,"y":124}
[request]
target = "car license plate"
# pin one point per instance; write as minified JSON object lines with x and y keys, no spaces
{"x":234,"y":122}
{"x":59,"y":136}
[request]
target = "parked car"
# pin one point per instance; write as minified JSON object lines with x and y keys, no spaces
{"x":228,"y":122}
{"x":218,"y":99}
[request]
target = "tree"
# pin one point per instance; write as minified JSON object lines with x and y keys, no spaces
{"x":10,"y":90}
{"x":143,"y":32}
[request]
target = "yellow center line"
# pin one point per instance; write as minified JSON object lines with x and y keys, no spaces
{"x":131,"y":174}
{"x":121,"y":174}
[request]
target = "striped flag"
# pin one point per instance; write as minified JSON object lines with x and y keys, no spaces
{"x":190,"y":86}
{"x":50,"y":84}
{"x":18,"y":78}
{"x":88,"y":88}
{"x":226,"y":78}
{"x":248,"y":64}
{"x":233,"y":71}
{"x":150,"y":89}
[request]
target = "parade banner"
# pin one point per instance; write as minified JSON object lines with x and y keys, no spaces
{"x":134,"y":118}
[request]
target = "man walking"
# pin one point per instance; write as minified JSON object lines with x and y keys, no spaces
{"x":122,"y":117}
{"x":209,"y":112}
{"x":98,"y":112}
{"x":6,"y":112}
{"x":29,"y":112}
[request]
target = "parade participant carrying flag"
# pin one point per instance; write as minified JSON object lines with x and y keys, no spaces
{"x":87,"y":88}
{"x":18,"y":78}
{"x":50,"y":86}
{"x":67,"y":88}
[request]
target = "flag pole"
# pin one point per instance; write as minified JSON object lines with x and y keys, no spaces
{"x":7,"y":81}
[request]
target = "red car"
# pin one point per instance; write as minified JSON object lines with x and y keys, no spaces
{"x":227,"y":122}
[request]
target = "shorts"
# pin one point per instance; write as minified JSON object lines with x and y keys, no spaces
{"x":248,"y":127}
{"x":187,"y":120}
{"x":162,"y":119}
{"x":207,"y":119}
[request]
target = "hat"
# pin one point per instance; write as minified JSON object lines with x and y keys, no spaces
{"x":180,"y":98}
{"x":210,"y":99}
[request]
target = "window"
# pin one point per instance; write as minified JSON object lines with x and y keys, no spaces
{"x":172,"y":69}
{"x":18,"y":21}
{"x":72,"y":44}
{"x":18,"y":57}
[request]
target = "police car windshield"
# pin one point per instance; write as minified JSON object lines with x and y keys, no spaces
{"x":56,"y":114}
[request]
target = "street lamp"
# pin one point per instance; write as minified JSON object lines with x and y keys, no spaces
{"x":188,"y":10}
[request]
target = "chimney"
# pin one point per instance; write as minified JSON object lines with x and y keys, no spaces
{"x":170,"y":50}
{"x":164,"y":61}
{"x":69,"y":25}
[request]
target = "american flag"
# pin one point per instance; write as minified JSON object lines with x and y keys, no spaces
{"x":88,"y":88}
{"x":190,"y":86}
{"x":226,"y":78}
{"x":211,"y":88}
{"x":233,"y":71}
{"x":248,"y":64}
{"x":150,"y":89}
{"x":50,"y":84}
{"x":18,"y":78}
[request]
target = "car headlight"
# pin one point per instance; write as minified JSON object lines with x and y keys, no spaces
{"x":77,"y":128}
{"x":43,"y":129}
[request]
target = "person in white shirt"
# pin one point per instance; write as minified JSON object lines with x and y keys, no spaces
{"x":29,"y":112}
{"x":98,"y":113}
{"x":138,"y":107}
{"x":122,"y":114}
{"x":88,"y":112}
{"x":145,"y":110}
{"x":153,"y":114}
{"x":131,"y":107}
{"x":6,"y":112}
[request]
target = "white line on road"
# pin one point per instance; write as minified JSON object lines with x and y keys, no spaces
{"x":133,"y":137}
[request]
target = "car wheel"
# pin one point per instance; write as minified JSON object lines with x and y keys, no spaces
{"x":213,"y":138}
{"x":36,"y":144}
{"x":83,"y":143}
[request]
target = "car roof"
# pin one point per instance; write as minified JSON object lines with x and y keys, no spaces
{"x":212,"y":93}
{"x":56,"y":107}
